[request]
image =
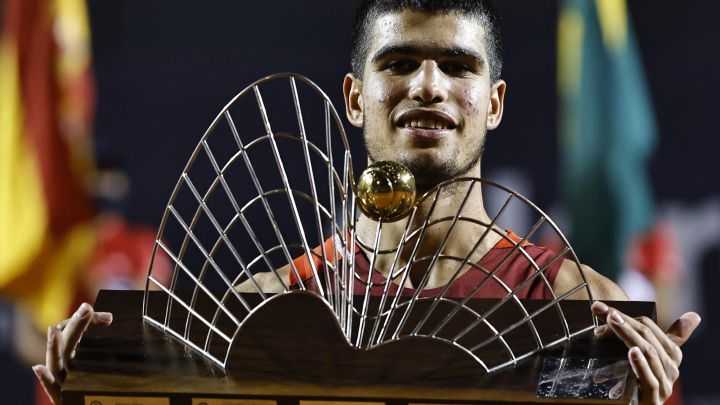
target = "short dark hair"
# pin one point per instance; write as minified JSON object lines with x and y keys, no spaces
{"x":370,"y":10}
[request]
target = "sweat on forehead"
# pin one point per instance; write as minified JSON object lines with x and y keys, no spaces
{"x":449,"y":37}
{"x":370,"y":11}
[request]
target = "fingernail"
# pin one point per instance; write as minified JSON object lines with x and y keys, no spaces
{"x":104,"y":316}
{"x":35,"y":369}
{"x":601,"y":306}
{"x":635,"y":352}
{"x":695,"y":315}
{"x":617,"y":318}
{"x":600,"y":329}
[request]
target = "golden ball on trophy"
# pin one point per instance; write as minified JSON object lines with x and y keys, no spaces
{"x":386,"y":191}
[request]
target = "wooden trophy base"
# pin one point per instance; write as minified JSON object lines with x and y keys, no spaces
{"x":294,"y":354}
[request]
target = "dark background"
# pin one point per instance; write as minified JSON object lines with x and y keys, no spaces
{"x":165,"y":68}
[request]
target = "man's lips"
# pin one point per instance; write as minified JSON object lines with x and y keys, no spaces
{"x":427,"y":119}
{"x":425,"y":124}
{"x":426,"y":133}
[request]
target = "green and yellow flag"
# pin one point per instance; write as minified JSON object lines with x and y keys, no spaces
{"x":607,"y":131}
{"x":46,"y":100}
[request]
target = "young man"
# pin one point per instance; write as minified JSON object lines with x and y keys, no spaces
{"x":426,"y":88}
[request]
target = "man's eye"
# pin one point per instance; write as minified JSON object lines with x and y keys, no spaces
{"x":401,"y":66}
{"x":455,"y":69}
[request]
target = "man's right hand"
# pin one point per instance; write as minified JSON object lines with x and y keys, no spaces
{"x":61,"y":343}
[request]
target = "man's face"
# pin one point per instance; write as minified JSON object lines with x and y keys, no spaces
{"x":425,"y":99}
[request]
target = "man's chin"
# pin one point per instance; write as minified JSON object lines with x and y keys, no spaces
{"x":430,"y":169}
{"x":428,"y":175}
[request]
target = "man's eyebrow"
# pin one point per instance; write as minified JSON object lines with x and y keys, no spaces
{"x":395,"y":49}
{"x":413,"y":50}
{"x":470,"y":53}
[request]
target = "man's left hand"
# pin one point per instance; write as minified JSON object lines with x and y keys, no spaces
{"x":654,"y":355}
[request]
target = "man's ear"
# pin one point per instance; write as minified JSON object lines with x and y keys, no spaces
{"x":352,"y":91}
{"x":495,"y":107}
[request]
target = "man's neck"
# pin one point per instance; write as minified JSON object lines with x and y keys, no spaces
{"x":433,"y":225}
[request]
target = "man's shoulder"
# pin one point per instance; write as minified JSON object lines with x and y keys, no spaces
{"x":572,"y":274}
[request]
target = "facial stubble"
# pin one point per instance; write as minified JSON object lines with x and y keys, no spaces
{"x":429,"y":173}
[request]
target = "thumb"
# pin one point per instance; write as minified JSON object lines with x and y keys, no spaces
{"x":680,"y":331}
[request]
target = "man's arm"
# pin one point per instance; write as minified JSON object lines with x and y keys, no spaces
{"x":267,"y":281}
{"x":654,"y":355}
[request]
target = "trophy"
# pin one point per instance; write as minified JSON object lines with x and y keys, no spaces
{"x":295,"y":282}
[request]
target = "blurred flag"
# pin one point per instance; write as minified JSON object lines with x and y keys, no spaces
{"x":607,"y":131}
{"x":47,"y":94}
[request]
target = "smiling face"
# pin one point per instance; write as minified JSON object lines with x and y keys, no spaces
{"x":425,"y":99}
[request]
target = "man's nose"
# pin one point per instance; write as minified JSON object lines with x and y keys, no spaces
{"x":428,"y":85}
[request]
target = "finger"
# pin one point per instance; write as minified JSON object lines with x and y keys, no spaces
{"x":102,"y":318}
{"x":600,"y":309}
{"x":610,"y":372}
{"x":668,"y":353}
{"x":649,"y":385}
{"x":617,"y":390}
{"x":603,"y":332}
{"x":62,"y":324}
{"x":637,"y":335}
{"x":51,"y":387}
{"x":76,"y":326}
{"x":672,"y":350}
{"x":53,"y":358}
{"x":603,"y":374}
{"x":98,"y":318}
{"x":680,"y":331}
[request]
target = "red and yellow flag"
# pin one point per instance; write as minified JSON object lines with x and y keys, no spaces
{"x":46,"y":108}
